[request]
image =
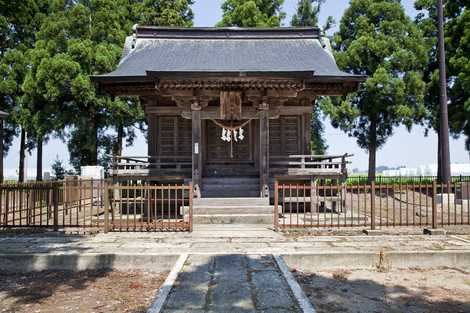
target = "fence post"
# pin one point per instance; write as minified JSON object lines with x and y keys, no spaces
{"x":191,"y":196}
{"x":372,"y":205}
{"x":55,"y":202}
{"x":276,"y":205}
{"x":434,"y":206}
{"x":106,"y":206}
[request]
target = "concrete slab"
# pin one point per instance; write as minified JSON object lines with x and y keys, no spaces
{"x":373,"y":232}
{"x":434,"y":231}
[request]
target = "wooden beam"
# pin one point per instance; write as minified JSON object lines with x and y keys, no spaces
{"x":251,"y":112}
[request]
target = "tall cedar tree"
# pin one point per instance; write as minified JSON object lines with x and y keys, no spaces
{"x":377,"y":39}
{"x":252,"y":13}
{"x":83,"y":38}
{"x":459,"y":67}
{"x":307,"y":14}
{"x":19,"y":20}
{"x":457,"y":21}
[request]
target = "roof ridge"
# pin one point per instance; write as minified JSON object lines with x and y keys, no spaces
{"x":226,"y":32}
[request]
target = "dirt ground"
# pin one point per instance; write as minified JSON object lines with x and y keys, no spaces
{"x":86,"y":291}
{"x":413,"y":290}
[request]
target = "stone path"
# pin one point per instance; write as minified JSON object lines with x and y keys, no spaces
{"x":231,"y":283}
{"x":233,"y":239}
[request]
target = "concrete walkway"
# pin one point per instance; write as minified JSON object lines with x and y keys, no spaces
{"x":224,"y":239}
{"x":231,"y":283}
{"x":143,"y":250}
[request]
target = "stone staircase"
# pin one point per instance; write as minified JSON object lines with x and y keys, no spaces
{"x":220,"y":187}
{"x":232,"y":211}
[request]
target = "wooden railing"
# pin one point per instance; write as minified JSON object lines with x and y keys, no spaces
{"x":311,"y":165}
{"x":139,"y":166}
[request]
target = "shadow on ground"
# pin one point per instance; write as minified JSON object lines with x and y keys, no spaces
{"x":336,"y":291}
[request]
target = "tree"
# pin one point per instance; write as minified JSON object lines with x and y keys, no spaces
{"x":377,"y":39}
{"x":457,"y":21}
{"x":18,"y":23}
{"x":83,"y":38}
{"x":307,"y":15}
{"x":58,"y":169}
{"x":459,"y":67}
{"x":308,"y":12}
{"x":164,"y":13}
{"x":252,"y":13}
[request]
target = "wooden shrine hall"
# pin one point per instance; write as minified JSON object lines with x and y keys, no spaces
{"x":227,"y":108}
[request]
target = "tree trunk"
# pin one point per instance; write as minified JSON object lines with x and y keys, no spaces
{"x":1,"y":151}
{"x":21,"y":174}
{"x":372,"y":150}
{"x":39,"y":159}
{"x":439,"y":160}
{"x":118,"y":144}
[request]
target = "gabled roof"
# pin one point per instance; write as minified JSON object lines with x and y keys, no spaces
{"x":155,"y":51}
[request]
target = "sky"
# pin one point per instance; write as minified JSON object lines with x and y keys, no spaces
{"x":404,"y":148}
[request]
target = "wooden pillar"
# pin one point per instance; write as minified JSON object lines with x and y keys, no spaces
{"x":307,"y":130}
{"x":152,"y":134}
{"x":264,"y":149}
{"x":196,"y":147}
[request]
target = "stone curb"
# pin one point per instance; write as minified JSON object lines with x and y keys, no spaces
{"x":303,"y":260}
{"x":302,"y":299}
{"x":381,"y":260}
{"x":86,"y":261}
{"x":165,"y":289}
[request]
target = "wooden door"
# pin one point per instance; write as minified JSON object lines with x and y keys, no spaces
{"x":225,"y":158}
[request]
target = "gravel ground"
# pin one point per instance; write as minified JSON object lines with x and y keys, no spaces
{"x":86,"y":291}
{"x":412,"y":290}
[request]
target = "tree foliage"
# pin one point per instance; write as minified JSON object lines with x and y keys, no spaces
{"x":252,"y":13}
{"x":307,"y":15}
{"x":82,"y":38}
{"x":457,"y":39}
{"x":377,"y":39}
{"x":308,"y":12}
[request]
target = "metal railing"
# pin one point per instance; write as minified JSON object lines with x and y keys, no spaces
{"x":55,"y":205}
{"x":99,"y":204}
{"x":146,"y":207}
{"x":335,"y":205}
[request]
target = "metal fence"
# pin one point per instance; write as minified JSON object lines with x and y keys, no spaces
{"x":77,"y":203}
{"x":144,"y":207}
{"x":358,"y":204}
{"x":52,"y":204}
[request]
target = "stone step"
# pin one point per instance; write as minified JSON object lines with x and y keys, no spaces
{"x":265,"y":219}
{"x":229,"y":193}
{"x":232,"y":210}
{"x":243,"y":201}
{"x":231,"y":186}
{"x":230,"y":180}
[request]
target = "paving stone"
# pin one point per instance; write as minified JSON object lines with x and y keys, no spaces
{"x":231,"y":283}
